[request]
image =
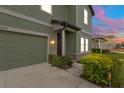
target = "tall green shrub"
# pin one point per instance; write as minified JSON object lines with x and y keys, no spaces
{"x":97,"y":66}
{"x":63,"y":62}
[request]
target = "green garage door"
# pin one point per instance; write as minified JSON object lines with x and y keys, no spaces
{"x":18,"y":50}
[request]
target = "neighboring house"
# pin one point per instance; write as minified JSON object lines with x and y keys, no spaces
{"x":29,"y":33}
{"x":103,"y":42}
{"x":110,"y":41}
{"x":99,"y":43}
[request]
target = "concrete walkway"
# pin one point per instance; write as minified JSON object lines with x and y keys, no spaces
{"x":41,"y":76}
{"x":76,"y":69}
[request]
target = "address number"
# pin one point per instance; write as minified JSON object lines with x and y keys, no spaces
{"x":3,"y":28}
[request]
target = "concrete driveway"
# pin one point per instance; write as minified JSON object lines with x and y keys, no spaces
{"x":41,"y":76}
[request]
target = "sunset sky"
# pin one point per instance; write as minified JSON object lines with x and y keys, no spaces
{"x":109,"y":20}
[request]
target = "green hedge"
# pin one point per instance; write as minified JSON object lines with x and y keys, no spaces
{"x":96,"y":50}
{"x":97,"y":67}
{"x":105,"y":50}
{"x":63,"y":62}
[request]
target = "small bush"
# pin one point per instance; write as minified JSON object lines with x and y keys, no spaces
{"x":97,"y":67}
{"x":56,"y":61}
{"x":67,"y":60}
{"x":63,"y":62}
{"x":105,"y":51}
{"x":51,"y":57}
{"x":96,"y":50}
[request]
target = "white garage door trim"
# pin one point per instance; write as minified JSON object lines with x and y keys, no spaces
{"x":20,"y":30}
{"x":25,"y":31}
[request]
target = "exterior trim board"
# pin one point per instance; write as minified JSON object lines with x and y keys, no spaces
{"x":9,"y":12}
{"x":24,"y":31}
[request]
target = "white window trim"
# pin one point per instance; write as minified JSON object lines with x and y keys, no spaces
{"x":86,"y":44}
{"x":86,"y":16}
{"x":82,"y":44}
{"x":47,"y":11}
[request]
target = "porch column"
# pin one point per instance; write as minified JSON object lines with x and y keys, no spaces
{"x":63,"y":42}
{"x":99,"y":44}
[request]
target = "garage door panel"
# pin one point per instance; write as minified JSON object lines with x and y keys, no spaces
{"x":20,"y":50}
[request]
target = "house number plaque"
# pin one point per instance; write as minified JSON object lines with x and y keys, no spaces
{"x":3,"y":27}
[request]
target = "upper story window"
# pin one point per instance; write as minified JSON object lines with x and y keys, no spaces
{"x":85,"y":16}
{"x":47,"y":8}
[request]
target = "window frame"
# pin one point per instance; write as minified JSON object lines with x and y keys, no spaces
{"x":82,"y":44}
{"x":86,"y":44}
{"x":85,"y":16}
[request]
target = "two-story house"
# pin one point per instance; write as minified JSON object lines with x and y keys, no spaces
{"x":29,"y":33}
{"x":103,"y":42}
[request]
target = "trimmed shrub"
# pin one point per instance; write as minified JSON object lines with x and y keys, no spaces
{"x":96,"y":50}
{"x":56,"y":61}
{"x":51,"y":57}
{"x":63,"y":62}
{"x":97,"y":67}
{"x":105,"y":51}
{"x":67,"y":60}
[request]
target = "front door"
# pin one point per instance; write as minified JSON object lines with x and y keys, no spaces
{"x":59,"y":44}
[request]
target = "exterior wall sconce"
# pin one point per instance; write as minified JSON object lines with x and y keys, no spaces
{"x":52,"y":42}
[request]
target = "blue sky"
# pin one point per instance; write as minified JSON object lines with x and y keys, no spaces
{"x":114,"y":11}
{"x":108,"y":20}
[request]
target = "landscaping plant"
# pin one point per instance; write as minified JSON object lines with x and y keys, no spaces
{"x":96,"y":50}
{"x":97,"y":68}
{"x":63,"y":62}
{"x":67,"y":60}
{"x":117,"y":70}
{"x":105,"y":51}
{"x":54,"y":60}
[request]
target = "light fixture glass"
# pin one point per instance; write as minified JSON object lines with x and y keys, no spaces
{"x":52,"y":42}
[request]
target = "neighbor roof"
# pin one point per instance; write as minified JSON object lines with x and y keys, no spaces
{"x":99,"y":38}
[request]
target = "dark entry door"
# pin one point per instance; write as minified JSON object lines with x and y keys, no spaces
{"x":59,"y":44}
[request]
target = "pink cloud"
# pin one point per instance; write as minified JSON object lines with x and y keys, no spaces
{"x":119,"y":40}
{"x":115,"y":25}
{"x":97,"y":30}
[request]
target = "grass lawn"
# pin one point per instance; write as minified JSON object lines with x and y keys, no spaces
{"x":120,"y":56}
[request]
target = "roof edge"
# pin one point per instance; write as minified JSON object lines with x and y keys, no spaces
{"x":92,"y":11}
{"x":65,"y":24}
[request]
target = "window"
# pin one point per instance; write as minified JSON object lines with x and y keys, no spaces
{"x":86,"y":44}
{"x":85,"y":16}
{"x":82,"y":44}
{"x":47,"y":8}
